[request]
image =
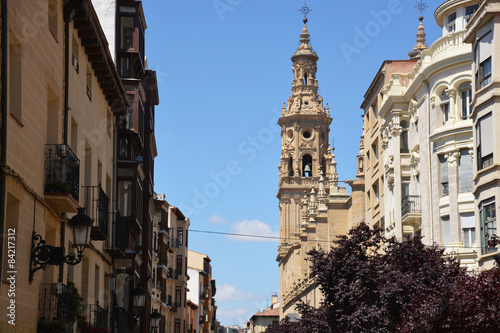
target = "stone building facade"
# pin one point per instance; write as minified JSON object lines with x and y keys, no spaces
{"x":63,"y":94}
{"x":429,"y":138}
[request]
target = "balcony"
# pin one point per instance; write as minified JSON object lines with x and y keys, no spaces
{"x":410,"y":214}
{"x":62,"y":178}
{"x":122,"y":317}
{"x":172,"y":274}
{"x":56,"y":307}
{"x":96,"y":203}
{"x":119,"y":238}
{"x":97,"y":316}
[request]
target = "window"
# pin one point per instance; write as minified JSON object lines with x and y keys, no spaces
{"x":127,"y":32}
{"x":465,"y":98}
{"x":178,"y":296}
{"x":482,"y":59}
{"x":465,"y":172}
{"x":487,"y":215}
{"x":403,"y":147}
{"x":469,"y":12}
{"x":451,"y":22}
{"x":125,"y":192}
{"x":180,"y":234}
{"x":444,"y":175}
{"x":467,"y":221}
{"x":445,"y":106}
{"x":484,"y":141}
{"x":75,"y":55}
{"x":376,"y":193}
{"x":177,"y":325}
{"x":89,"y":83}
{"x":179,"y":264}
{"x":375,"y":151}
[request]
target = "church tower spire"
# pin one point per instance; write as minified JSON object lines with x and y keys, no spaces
{"x":421,"y":44}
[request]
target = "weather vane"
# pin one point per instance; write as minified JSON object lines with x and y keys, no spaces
{"x":305,"y":10}
{"x":421,"y":6}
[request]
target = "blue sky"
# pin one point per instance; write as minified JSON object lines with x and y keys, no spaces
{"x":224,"y":73}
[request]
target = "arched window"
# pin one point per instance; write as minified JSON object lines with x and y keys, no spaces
{"x":307,"y":166}
{"x":403,"y":147}
{"x":445,"y":106}
{"x":465,"y":97}
{"x":305,"y":79}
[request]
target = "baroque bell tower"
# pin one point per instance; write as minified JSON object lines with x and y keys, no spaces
{"x":305,"y":127}
{"x":307,"y":176}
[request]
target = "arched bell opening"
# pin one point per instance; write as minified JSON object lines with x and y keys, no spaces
{"x":307,"y":166}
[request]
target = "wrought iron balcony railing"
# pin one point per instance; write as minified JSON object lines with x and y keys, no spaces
{"x":97,"y":316}
{"x":410,"y":204}
{"x":96,"y":203}
{"x":62,"y":170}
{"x":56,"y":304}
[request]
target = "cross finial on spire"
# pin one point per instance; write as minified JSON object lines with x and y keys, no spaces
{"x":305,"y":9}
{"x":421,"y":6}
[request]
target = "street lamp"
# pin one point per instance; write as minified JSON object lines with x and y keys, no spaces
{"x":139,"y":294}
{"x":43,"y":255}
{"x":155,"y":320}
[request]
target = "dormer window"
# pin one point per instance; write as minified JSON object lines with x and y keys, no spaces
{"x":451,"y":22}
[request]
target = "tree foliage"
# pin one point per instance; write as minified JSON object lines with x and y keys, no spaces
{"x":373,"y":284}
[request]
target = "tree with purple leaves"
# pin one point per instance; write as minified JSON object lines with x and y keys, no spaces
{"x":373,"y":284}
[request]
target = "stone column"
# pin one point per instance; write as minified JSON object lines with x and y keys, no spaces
{"x":453,"y":97}
{"x":455,"y":229}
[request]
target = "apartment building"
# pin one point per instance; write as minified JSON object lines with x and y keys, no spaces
{"x":439,"y":181}
{"x":63,"y":95}
{"x":202,"y":290}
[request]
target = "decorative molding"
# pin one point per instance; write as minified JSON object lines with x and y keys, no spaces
{"x":452,"y":158}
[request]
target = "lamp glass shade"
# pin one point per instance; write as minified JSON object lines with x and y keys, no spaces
{"x":155,"y":319}
{"x":139,"y":294}
{"x":81,"y":224}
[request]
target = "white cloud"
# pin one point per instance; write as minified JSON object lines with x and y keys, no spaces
{"x":236,"y":314}
{"x":216,"y":219}
{"x":228,"y":292}
{"x":254,"y":228}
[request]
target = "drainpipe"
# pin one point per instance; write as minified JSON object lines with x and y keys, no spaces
{"x":69,"y":13}
{"x":3,"y":128}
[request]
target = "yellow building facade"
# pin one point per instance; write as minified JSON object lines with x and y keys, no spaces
{"x":59,"y":132}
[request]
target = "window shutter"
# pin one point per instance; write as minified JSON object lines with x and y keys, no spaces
{"x":444,"y":169}
{"x":465,"y":171}
{"x":467,"y":220}
{"x":486,"y":135}
{"x":485,"y":47}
